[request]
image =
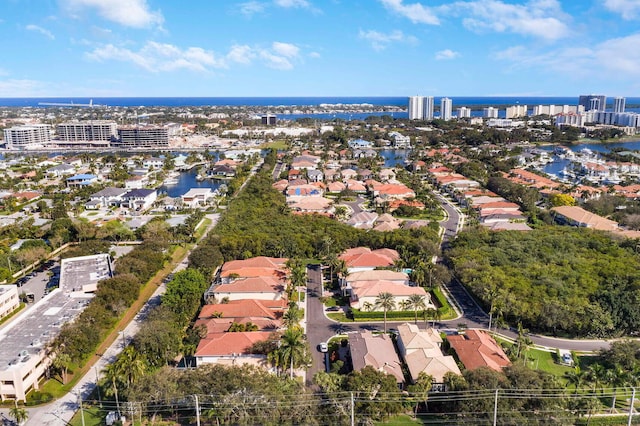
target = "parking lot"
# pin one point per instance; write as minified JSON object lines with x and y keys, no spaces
{"x":40,"y":281}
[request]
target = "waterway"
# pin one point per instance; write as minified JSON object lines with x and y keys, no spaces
{"x":186,"y":181}
{"x":392,"y":157}
{"x":558,"y":163}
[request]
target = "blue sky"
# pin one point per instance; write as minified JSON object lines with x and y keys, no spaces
{"x":319,"y":47}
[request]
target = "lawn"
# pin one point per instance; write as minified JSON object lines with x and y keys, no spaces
{"x":545,"y":361}
{"x":401,"y":420}
{"x":93,"y":416}
{"x":277,"y":145}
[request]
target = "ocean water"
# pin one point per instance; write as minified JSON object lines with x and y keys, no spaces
{"x":402,"y":101}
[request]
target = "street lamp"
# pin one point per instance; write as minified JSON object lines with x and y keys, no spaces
{"x":95,"y":367}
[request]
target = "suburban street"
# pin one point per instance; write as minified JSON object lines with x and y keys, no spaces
{"x":321,"y":329}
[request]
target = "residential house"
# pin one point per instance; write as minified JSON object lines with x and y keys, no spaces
{"x":348,"y":174}
{"x":365,"y":293}
{"x":315,"y":175}
{"x":81,"y":180}
{"x":231,"y":349}
{"x":377,"y":351}
{"x":421,"y":351}
{"x":363,"y":220}
{"x":359,"y":143}
{"x":107,"y":197}
{"x":139,"y":199}
{"x":153,"y":162}
{"x":60,"y":170}
{"x":136,"y":182}
{"x":308,"y":162}
{"x":258,"y":288}
{"x":364,"y":153}
{"x":253,"y":267}
{"x":266,"y":315}
{"x":476,"y":348}
{"x":577,"y":216}
{"x":196,"y":197}
{"x":221,"y":172}
{"x":363,"y":258}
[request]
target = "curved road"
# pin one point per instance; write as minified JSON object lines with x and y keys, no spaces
{"x":320,"y":328}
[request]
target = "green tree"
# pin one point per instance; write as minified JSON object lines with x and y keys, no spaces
{"x":385,"y":301}
{"x":293,"y":350}
{"x":19,"y":414}
{"x":417,"y":302}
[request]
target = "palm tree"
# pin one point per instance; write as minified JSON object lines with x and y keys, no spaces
{"x":575,"y":377}
{"x":292,"y":317}
{"x":130,"y":366}
{"x":19,"y":414}
{"x":386,"y":301}
{"x":293,"y":349}
{"x":61,"y":363}
{"x":596,"y":374}
{"x":367,"y":306}
{"x":416,"y":302}
{"x":615,"y":377}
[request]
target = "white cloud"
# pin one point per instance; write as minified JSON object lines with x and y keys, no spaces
{"x":241,"y":54}
{"x":285,"y":49}
{"x":292,"y":3}
{"x":159,"y":57}
{"x":314,"y":55}
{"x":380,"y":41}
{"x":446,"y":54}
{"x":251,"y":8}
{"x":628,"y":9}
{"x":539,"y":18}
{"x":416,"y":12}
{"x":156,"y":57}
{"x":40,"y":30}
{"x":618,"y":56}
{"x":130,"y":13}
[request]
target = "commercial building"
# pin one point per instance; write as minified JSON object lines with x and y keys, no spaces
{"x":143,"y":137}
{"x":446,"y":106}
{"x":24,"y":357}
{"x":9,"y":300}
{"x":593,"y":102}
{"x":28,"y":137}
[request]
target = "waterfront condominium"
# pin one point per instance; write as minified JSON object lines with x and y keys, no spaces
{"x":593,"y":102}
{"x":446,"y":106}
{"x":421,"y":108}
{"x":464,"y":112}
{"x":32,"y":136}
{"x":618,"y":104}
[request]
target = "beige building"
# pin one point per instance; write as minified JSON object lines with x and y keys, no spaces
{"x":9,"y":300}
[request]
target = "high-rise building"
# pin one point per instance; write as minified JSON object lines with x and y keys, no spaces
{"x":415,"y":107}
{"x":28,"y":137}
{"x":269,"y":120}
{"x":464,"y":112}
{"x":593,"y":102}
{"x":619,"y":104}
{"x":143,"y":137}
{"x":516,"y":111}
{"x":490,"y":112}
{"x":97,"y":130}
{"x":421,"y":108}
{"x":446,"y":106}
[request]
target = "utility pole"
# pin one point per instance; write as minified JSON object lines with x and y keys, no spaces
{"x":197,"y":410}
{"x":81,"y":409}
{"x":495,"y":410}
{"x":353,"y":411}
{"x":633,"y":398}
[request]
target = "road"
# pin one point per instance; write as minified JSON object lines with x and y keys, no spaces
{"x":319,"y":327}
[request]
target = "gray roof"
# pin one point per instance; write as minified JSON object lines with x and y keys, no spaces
{"x":109,"y":192}
{"x":139,"y":193}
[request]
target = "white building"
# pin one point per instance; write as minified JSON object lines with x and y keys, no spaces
{"x":143,"y":137}
{"x":516,"y":111}
{"x":464,"y":112}
{"x":446,"y":106}
{"x":28,"y":137}
{"x":421,"y":108}
{"x":618,"y":104}
{"x":9,"y":300}
{"x":97,"y":130}
{"x":400,"y":140}
{"x":490,"y":112}
{"x":197,"y":197}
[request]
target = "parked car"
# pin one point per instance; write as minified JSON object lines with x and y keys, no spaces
{"x":333,"y":308}
{"x":323,"y":347}
{"x":567,"y":358}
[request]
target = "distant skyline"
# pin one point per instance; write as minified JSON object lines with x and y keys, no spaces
{"x":99,"y":48}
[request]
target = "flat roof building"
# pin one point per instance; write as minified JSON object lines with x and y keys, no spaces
{"x":142,"y":137}
{"x":24,"y":357}
{"x":28,"y":137}
{"x":98,"y":130}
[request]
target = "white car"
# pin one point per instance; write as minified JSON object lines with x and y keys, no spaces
{"x":323,"y":347}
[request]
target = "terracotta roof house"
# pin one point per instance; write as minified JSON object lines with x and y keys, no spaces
{"x":306,"y":190}
{"x":377,"y":351}
{"x":577,"y":216}
{"x":310,"y":204}
{"x":365,"y":293}
{"x":260,"y":288}
{"x":336,"y":186}
{"x":247,"y":307}
{"x":393,"y":191}
{"x":420,"y":350}
{"x":231,"y":348}
{"x":348,"y":174}
{"x":356,"y":186}
{"x":363,"y":258}
{"x":253,"y":267}
{"x":477,"y":349}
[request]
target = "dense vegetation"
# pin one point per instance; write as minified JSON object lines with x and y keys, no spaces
{"x":555,"y":279}
{"x":258,"y":223}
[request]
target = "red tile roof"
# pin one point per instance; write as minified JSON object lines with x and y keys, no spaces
{"x":477,"y":349}
{"x":230,"y":343}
